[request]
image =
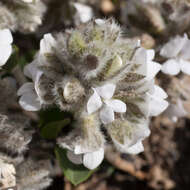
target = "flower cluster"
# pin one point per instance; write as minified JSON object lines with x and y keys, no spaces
{"x":177,"y":53}
{"x":104,"y":79}
{"x":22,"y":15}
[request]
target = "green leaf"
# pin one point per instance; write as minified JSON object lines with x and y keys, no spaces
{"x":51,"y":115}
{"x":76,"y":174}
{"x":52,"y":129}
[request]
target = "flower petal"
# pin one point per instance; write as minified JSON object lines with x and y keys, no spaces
{"x":117,"y":105}
{"x":84,"y":12}
{"x":5,"y":37}
{"x":173,"y":47}
{"x":136,"y":148}
{"x":29,"y":101}
{"x":140,"y":58}
{"x":159,"y":92}
{"x":99,"y":21}
{"x":93,"y":160}
{"x":157,"y":106}
{"x":5,"y":52}
{"x":185,"y":66}
{"x":184,"y":54}
{"x":25,"y":88}
{"x":94,"y":103}
{"x":106,"y":115}
{"x":74,"y":158}
{"x":30,"y":70}
{"x":106,"y":91}
{"x":47,"y":43}
{"x":150,"y":54}
{"x":171,"y":67}
{"x":153,"y":69}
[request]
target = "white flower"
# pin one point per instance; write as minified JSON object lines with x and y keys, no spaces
{"x":102,"y":98}
{"x":148,"y":67}
{"x":6,"y":40}
{"x":90,"y":160}
{"x":178,"y":54}
{"x":156,"y":96}
{"x":30,"y":100}
{"x":30,"y":93}
{"x":157,"y":101}
{"x":46,"y":44}
{"x":85,"y":12}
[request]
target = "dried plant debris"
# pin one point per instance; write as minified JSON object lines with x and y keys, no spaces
{"x":33,"y":175}
{"x":21,"y":15}
{"x":7,"y":175}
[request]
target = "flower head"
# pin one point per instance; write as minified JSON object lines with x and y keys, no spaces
{"x":105,"y":80}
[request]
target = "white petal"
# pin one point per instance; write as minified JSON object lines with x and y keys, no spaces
{"x":94,"y":159}
{"x":25,"y":88}
{"x":30,"y":70}
{"x":159,"y":92}
{"x":99,"y":21}
{"x":150,"y":54}
{"x":185,"y":53}
{"x":136,"y":149}
{"x":157,"y":106}
{"x":5,"y":52}
{"x":173,"y":47}
{"x":185,"y":66}
{"x":74,"y":158}
{"x":117,"y":105}
{"x":140,"y":58}
{"x":29,"y":101}
{"x":38,"y":75}
{"x":47,"y":43}
{"x":28,"y":1}
{"x":78,"y":149}
{"x":5,"y":37}
{"x":106,"y":91}
{"x":153,"y":69}
{"x":171,"y":67}
{"x":85,"y":12}
{"x":106,"y":115}
{"x":94,"y":103}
